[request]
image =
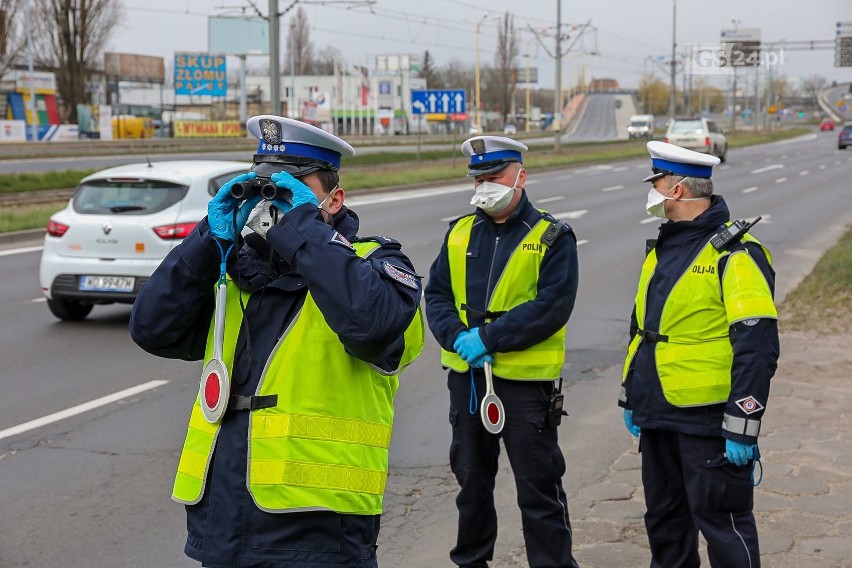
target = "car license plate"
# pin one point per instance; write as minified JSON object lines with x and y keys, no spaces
{"x":107,"y":283}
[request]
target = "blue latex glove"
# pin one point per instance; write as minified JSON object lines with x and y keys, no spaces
{"x":301,"y":193}
{"x":739,"y":453}
{"x":480,"y":362}
{"x":469,"y":346}
{"x":628,"y":421}
{"x":220,"y":210}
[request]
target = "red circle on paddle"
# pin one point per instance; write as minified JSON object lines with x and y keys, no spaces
{"x":493,"y":413}
{"x":211,"y":390}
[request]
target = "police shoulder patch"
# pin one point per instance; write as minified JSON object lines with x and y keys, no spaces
{"x":339,"y":239}
{"x":749,"y":405}
{"x":400,"y":274}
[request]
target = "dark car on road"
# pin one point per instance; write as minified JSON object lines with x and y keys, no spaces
{"x":845,"y":137}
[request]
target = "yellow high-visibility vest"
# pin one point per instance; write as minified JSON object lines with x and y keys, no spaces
{"x":324,"y":445}
{"x":518,"y":283}
{"x":694,"y":357}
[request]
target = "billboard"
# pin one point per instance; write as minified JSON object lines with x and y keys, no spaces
{"x":201,"y":74}
{"x":131,"y":67}
{"x":237,"y":36}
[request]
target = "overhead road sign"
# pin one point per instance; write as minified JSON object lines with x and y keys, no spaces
{"x":431,"y":101}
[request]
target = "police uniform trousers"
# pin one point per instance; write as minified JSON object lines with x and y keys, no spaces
{"x":537,"y":464}
{"x":691,"y":486}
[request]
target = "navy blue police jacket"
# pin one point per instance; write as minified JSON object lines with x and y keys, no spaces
{"x":367,"y":308}
{"x":491,"y":245}
{"x":756,"y":347}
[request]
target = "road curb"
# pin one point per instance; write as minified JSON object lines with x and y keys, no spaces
{"x":21,"y":236}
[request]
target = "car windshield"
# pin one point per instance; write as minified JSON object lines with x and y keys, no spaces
{"x":126,"y":196}
{"x":686,"y":126}
{"x":847,"y":129}
{"x":638,"y":123}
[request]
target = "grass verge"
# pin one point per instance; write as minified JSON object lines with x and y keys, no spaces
{"x":28,"y":216}
{"x":822,"y":303}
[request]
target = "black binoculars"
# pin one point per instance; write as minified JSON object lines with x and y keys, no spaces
{"x":259,"y":186}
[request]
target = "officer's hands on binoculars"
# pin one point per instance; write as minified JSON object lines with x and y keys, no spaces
{"x":224,"y":224}
{"x":301,"y":193}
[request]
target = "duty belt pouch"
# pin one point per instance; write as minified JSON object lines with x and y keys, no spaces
{"x":554,"y":406}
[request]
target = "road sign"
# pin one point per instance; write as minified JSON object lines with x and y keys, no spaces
{"x":843,"y":51}
{"x":740,"y":47}
{"x":431,"y":101}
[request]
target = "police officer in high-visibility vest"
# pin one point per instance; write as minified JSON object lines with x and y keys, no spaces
{"x":704,"y":346}
{"x":500,"y":293}
{"x":303,"y":327}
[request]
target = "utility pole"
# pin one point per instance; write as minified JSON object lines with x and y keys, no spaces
{"x":274,"y":56}
{"x":557,"y":87}
{"x":674,"y":61}
{"x":33,"y":106}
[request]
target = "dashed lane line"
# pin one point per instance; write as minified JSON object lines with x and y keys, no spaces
{"x":79,"y":409}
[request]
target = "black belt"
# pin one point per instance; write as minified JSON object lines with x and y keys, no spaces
{"x":480,"y":314}
{"x":652,"y":336}
{"x":242,"y":402}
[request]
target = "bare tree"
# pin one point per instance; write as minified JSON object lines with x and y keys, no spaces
{"x":505,"y":79}
{"x":70,"y":35}
{"x":300,"y":49}
{"x":12,"y":35}
{"x":326,"y":59}
{"x":813,"y":85}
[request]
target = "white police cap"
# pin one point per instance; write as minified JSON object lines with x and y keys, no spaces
{"x":303,"y":147}
{"x":668,"y":159}
{"x":490,"y":154}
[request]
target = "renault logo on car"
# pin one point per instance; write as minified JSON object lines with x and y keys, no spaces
{"x":107,"y":228}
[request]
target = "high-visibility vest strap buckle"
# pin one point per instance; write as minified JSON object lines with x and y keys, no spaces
{"x":486,"y":315}
{"x":652,"y":336}
{"x":242,"y":402}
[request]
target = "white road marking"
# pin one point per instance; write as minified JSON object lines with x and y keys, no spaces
{"x":448,"y":219}
{"x":582,"y":242}
{"x":767,"y":168}
{"x":724,"y":167}
{"x":765,"y":219}
{"x":407,"y":194}
{"x":780,"y":180}
{"x":20,"y":250}
{"x":650,"y":220}
{"x":822,"y":166}
{"x":613,"y":188}
{"x":79,"y":409}
{"x":641,"y":167}
{"x":549,"y":199}
{"x":38,"y":300}
{"x":804,"y":172}
{"x":621,"y":169}
{"x":571,"y":214}
{"x":750,"y":189}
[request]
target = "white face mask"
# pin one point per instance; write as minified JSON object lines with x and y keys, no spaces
{"x":260,"y":219}
{"x":656,"y":205}
{"x":494,"y":197}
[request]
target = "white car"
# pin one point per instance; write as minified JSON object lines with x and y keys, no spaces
{"x":698,"y":134}
{"x":117,"y":228}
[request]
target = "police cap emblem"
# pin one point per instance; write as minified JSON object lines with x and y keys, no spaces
{"x":478,"y":146}
{"x":270,"y":131}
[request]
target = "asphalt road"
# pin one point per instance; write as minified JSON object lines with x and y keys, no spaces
{"x":91,"y":487}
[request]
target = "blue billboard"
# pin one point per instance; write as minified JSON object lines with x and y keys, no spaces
{"x":201,"y":74}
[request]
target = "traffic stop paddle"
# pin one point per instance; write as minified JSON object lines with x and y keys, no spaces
{"x":491,"y":409}
{"x":215,"y":383}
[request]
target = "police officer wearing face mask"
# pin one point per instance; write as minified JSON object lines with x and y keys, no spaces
{"x":501,"y":292}
{"x":704,"y":346}
{"x":286,"y":455}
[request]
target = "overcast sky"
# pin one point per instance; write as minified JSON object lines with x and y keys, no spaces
{"x":629,"y":34}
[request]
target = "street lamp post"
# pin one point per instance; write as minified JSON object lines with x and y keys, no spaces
{"x":557,"y":87}
{"x":476,"y":87}
{"x":674,"y":61}
{"x":33,"y":106}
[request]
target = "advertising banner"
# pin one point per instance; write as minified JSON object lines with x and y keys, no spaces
{"x":207,"y":129}
{"x":201,"y":74}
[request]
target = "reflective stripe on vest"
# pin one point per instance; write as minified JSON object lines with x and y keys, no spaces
{"x":694,"y":363}
{"x":310,"y":452}
{"x":518,"y":283}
